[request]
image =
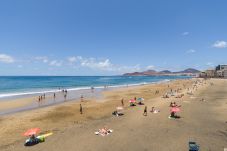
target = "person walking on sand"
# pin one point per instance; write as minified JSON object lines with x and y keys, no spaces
{"x":145,"y":111}
{"x":122,"y":102}
{"x":54,"y":96}
{"x":81,"y":109}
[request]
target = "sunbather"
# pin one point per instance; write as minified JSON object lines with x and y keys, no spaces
{"x":153,"y":110}
{"x":173,"y":115}
{"x":32,"y":141}
{"x":104,"y":131}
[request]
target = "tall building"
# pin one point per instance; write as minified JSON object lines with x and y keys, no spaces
{"x":221,"y":71}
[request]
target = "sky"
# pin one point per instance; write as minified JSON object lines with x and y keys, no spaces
{"x":110,"y":37}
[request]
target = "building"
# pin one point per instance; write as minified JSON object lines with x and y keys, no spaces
{"x":221,"y":67}
{"x":225,"y":73}
{"x":210,"y":73}
{"x":202,"y":74}
{"x":219,"y":72}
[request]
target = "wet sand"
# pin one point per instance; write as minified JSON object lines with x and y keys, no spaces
{"x":31,"y":102}
{"x":203,"y":121}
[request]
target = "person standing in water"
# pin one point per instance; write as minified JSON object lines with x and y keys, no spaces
{"x":39,"y":101}
{"x":92,"y":89}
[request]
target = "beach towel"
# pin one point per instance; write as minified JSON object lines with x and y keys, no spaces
{"x":176,"y":117}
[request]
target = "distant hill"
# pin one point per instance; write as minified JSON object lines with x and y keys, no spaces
{"x":189,"y":71}
{"x":165,"y":72}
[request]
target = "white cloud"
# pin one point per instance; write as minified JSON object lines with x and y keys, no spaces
{"x":102,"y":64}
{"x":6,"y":58}
{"x":185,"y":33}
{"x":55,"y":63}
{"x":191,"y":51}
{"x":220,"y":44}
{"x":124,"y":69}
{"x":72,"y":59}
{"x":96,"y":64}
{"x":150,"y":67}
{"x":44,"y":59}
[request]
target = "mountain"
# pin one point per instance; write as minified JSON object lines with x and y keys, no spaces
{"x":189,"y":71}
{"x":165,"y":72}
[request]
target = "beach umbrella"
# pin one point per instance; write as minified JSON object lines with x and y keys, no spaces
{"x":175,"y":109}
{"x":132,"y":101}
{"x":140,"y":99}
{"x":32,"y":131}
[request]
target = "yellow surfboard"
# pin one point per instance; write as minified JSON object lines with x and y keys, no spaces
{"x":46,"y":135}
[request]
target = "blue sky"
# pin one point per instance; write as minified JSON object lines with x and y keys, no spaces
{"x":109,"y":37}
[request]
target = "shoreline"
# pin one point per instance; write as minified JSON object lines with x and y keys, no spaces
{"x":29,"y":102}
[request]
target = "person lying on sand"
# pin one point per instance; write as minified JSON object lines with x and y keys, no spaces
{"x":104,"y":131}
{"x":173,"y":115}
{"x":153,"y":110}
{"x":33,"y":140}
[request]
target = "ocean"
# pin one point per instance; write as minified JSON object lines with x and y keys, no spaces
{"x":29,"y":85}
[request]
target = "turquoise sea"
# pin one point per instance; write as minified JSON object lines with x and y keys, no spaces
{"x":25,"y":85}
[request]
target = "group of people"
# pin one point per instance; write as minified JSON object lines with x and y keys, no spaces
{"x":41,"y":97}
{"x":65,"y":92}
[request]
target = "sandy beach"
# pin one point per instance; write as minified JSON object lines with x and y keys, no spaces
{"x":202,"y":121}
